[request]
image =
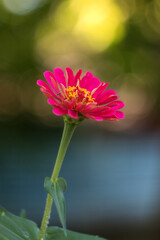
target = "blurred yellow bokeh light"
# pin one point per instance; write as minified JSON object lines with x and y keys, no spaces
{"x":78,"y":28}
{"x":97,"y":23}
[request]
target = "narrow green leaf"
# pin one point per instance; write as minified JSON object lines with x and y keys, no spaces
{"x":16,"y":228}
{"x":56,"y":190}
{"x":23,"y":213}
{"x":57,"y":233}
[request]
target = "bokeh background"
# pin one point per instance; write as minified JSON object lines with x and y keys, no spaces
{"x":112,"y":168}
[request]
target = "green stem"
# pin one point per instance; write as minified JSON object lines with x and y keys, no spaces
{"x":66,"y":137}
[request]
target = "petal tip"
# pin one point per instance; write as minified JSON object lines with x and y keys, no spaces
{"x":38,"y":82}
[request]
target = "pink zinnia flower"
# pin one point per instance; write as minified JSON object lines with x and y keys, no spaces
{"x":77,"y":96}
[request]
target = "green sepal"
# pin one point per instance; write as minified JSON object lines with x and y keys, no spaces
{"x":16,"y":228}
{"x":56,"y":190}
{"x":57,"y":233}
{"x":70,"y":120}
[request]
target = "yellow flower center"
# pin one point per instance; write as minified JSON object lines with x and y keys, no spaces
{"x":79,"y":94}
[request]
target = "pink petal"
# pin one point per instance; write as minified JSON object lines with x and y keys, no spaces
{"x":108,"y":113}
{"x":87,"y":78}
{"x":59,"y":111}
{"x":94,"y":109}
{"x":111,"y":118}
{"x":93,"y":84}
{"x":97,"y":118}
{"x":89,"y":82}
{"x":73,"y":114}
{"x":79,"y":106}
{"x":77,"y":77}
{"x":120,"y":114}
{"x":43,"y":84}
{"x":70,"y":77}
{"x":53,"y":102}
{"x":105,"y":95}
{"x":110,"y":99}
{"x":47,"y":90}
{"x":51,"y":80}
{"x":46,"y":93}
{"x":59,"y":74}
{"x":100,"y":89}
{"x":116,"y":105}
{"x":88,"y":107}
{"x":96,"y":112}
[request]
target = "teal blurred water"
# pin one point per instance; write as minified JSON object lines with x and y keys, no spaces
{"x":114,"y":177}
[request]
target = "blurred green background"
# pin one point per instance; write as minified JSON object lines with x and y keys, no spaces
{"x":112,"y":168}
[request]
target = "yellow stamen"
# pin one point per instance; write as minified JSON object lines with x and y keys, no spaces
{"x":79,"y":94}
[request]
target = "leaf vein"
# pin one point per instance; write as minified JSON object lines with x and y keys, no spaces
{"x":13,"y":233}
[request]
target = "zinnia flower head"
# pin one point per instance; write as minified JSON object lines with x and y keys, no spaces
{"x":76,"y":96}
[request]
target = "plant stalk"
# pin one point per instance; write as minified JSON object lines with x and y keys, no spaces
{"x":66,"y":137}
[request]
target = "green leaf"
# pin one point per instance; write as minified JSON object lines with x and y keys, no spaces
{"x":56,"y":190}
{"x":16,"y":228}
{"x":23,"y":213}
{"x":57,"y":233}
